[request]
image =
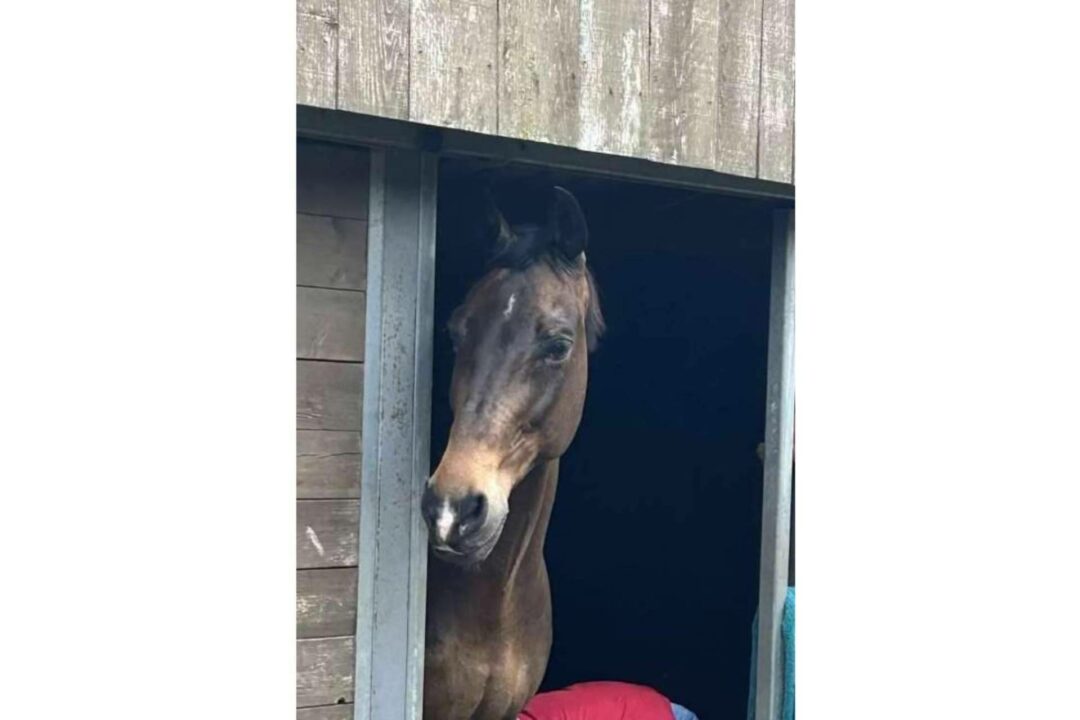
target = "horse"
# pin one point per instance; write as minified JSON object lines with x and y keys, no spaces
{"x":521,"y":339}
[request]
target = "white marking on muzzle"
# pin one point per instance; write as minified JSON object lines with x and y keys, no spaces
{"x":444,"y":522}
{"x":509,"y":306}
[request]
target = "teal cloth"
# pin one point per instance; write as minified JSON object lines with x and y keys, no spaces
{"x":787,"y":634}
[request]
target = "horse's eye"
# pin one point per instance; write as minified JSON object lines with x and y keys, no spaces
{"x":557,"y":350}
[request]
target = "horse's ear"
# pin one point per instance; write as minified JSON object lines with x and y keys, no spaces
{"x":567,"y":225}
{"x":498,"y":230}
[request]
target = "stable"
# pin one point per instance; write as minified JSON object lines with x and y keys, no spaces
{"x":669,"y":529}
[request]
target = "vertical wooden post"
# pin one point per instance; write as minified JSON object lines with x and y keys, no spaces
{"x":776,"y":494}
{"x":392,"y":576}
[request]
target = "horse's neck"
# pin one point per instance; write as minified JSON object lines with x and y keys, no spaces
{"x":488,"y":591}
{"x":521,"y":546}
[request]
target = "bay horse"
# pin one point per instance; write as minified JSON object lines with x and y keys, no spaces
{"x":522,"y":338}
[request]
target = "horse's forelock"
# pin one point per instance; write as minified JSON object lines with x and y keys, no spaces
{"x":530,"y":245}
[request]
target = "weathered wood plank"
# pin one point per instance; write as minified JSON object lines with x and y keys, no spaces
{"x":332,"y":180}
{"x":684,"y":64}
{"x":331,"y":252}
{"x":740,"y":79}
{"x":327,"y":464}
{"x":316,"y":60}
{"x":326,"y":532}
{"x":329,"y":324}
{"x":323,"y":8}
{"x":340,"y":711}
{"x":373,"y":57}
{"x":614,"y":56}
{"x":539,"y":70}
{"x":325,"y":602}
{"x":776,"y":153}
{"x":324,"y":671}
{"x":452,"y":65}
{"x":329,"y":395}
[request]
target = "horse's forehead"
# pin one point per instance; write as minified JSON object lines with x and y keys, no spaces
{"x":538,"y":288}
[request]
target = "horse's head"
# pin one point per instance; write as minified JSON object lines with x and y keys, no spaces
{"x":521,"y":338}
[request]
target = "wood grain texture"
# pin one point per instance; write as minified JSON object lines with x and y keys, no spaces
{"x":331,"y":252}
{"x":740,"y":77}
{"x":340,"y":711}
{"x":332,"y":180}
{"x":329,"y":395}
{"x":325,"y":602}
{"x":326,"y":533}
{"x":329,"y":324}
{"x":776,"y":150}
{"x":613,"y":52}
{"x":323,"y":8}
{"x":327,"y":464}
{"x":684,"y":63}
{"x":316,"y":60}
{"x":539,"y":86}
{"x":324,"y":671}
{"x":373,"y":57}
{"x":701,"y":83}
{"x":452,"y":65}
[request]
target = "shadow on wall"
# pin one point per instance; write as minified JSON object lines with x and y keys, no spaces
{"x":654,"y":539}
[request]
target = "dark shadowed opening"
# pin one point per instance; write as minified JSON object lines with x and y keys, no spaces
{"x":654,"y":539}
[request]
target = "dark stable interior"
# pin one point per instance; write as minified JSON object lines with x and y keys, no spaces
{"x":654,"y":539}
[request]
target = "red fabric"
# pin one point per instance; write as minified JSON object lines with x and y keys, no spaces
{"x":599,"y":701}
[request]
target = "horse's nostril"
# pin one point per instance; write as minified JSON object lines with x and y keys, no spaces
{"x":429,"y":507}
{"x":453,"y":519}
{"x":471,"y":510}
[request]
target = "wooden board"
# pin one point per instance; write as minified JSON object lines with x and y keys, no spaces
{"x":613,"y":53}
{"x":776,"y":152}
{"x":331,"y":252}
{"x":684,"y":63}
{"x":323,"y":8}
{"x":325,"y":602}
{"x":326,"y":533}
{"x":329,"y":395}
{"x":340,"y":711}
{"x":316,"y":59}
{"x":332,"y":201}
{"x":332,"y":180}
{"x":324,"y":671}
{"x":740,"y":75}
{"x":452,"y":65}
{"x":373,"y":57}
{"x":698,"y":83}
{"x":539,"y":84}
{"x":329,"y":324}
{"x":328,"y":464}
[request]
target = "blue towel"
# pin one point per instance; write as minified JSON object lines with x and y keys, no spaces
{"x":787,"y":634}
{"x":682,"y":713}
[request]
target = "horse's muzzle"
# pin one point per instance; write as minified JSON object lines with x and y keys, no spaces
{"x":462,"y":530}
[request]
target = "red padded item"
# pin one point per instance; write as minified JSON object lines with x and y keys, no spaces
{"x":599,"y":701}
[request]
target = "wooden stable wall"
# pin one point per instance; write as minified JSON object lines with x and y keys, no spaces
{"x":703,"y":83}
{"x":331,"y":254}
